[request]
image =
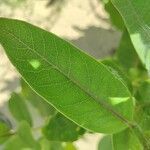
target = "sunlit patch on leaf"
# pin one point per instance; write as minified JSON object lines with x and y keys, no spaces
{"x":118,"y":100}
{"x":35,"y":63}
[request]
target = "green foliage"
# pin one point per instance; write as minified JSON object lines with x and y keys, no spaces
{"x":143,"y":93}
{"x":116,"y":69}
{"x":134,"y":13}
{"x":59,"y":128}
{"x":72,"y":90}
{"x":18,"y":108}
{"x":126,"y":140}
{"x":105,"y":143}
{"x":36,"y":101}
{"x":22,"y":139}
{"x":5,"y":131}
{"x":114,"y":15}
{"x":73,"y":82}
{"x":126,"y":53}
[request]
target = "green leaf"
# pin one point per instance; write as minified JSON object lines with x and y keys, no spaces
{"x":42,"y":106}
{"x":126,"y":140}
{"x":126,"y":54}
{"x":18,"y":108}
{"x":117,"y":70}
{"x":69,"y":146}
{"x":143,"y":93}
{"x":114,"y":15}
{"x":5,"y":130}
{"x":45,"y":144}
{"x":15,"y":143}
{"x":23,"y":139}
{"x":135,"y":15}
{"x":142,"y":117}
{"x":59,"y":128}
{"x":105,"y":143}
{"x":50,"y":145}
{"x":77,"y":85}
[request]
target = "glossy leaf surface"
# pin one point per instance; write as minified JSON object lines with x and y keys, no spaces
{"x":77,"y":85}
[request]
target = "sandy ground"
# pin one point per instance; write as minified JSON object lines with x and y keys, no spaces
{"x":83,"y":23}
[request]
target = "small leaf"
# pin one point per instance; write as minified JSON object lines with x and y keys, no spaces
{"x":15,"y":143}
{"x":126,"y":140}
{"x":143,"y":93}
{"x":5,"y":129}
{"x":136,"y":17}
{"x":59,"y":128}
{"x":105,"y":143}
{"x":23,"y":139}
{"x":50,"y":145}
{"x":18,"y":108}
{"x":74,"y":83}
{"x":70,"y":146}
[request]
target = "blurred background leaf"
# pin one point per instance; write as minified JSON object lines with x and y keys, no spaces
{"x":5,"y":129}
{"x":59,"y":128}
{"x":22,"y":139}
{"x":105,"y":143}
{"x":18,"y":108}
{"x":126,"y":140}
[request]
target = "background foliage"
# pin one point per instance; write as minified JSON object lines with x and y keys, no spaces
{"x":123,"y":111}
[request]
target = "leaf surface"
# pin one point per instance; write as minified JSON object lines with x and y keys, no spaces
{"x":136,"y":16}
{"x":42,"y":106}
{"x":77,"y":85}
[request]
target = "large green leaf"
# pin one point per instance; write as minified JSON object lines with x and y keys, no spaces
{"x":18,"y":108}
{"x":50,"y":145}
{"x":80,"y":87}
{"x":136,"y":16}
{"x":118,"y":71}
{"x":126,"y":140}
{"x":59,"y":128}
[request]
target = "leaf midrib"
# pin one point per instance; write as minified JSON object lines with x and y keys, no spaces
{"x":105,"y":105}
